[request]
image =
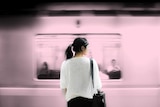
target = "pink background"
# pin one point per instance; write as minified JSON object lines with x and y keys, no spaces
{"x":139,"y":59}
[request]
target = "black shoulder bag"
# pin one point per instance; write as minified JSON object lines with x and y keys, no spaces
{"x":98,"y":98}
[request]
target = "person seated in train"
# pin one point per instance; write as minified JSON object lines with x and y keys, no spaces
{"x":44,"y":72}
{"x":113,"y":70}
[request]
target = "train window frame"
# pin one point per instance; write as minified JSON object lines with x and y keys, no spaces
{"x":73,"y":35}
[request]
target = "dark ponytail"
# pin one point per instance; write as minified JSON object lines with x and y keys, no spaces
{"x":68,"y":52}
{"x":77,"y":44}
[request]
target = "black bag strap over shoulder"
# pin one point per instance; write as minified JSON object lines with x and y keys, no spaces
{"x":92,"y":73}
{"x":98,"y":98}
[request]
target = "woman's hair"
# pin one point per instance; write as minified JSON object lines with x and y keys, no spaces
{"x":77,"y":44}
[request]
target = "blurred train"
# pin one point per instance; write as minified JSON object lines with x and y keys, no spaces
{"x":26,"y":42}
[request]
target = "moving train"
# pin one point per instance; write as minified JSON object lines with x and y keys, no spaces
{"x":27,"y":41}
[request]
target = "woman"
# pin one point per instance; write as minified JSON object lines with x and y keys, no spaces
{"x":75,"y":77}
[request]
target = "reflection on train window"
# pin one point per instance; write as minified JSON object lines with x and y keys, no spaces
{"x":104,"y":48}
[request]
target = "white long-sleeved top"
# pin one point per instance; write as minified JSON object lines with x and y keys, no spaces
{"x":75,"y":76}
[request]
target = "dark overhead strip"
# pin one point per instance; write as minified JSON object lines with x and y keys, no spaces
{"x":80,"y":13}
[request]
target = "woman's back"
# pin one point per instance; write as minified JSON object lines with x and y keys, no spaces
{"x":79,"y":74}
{"x":78,"y":77}
{"x":75,"y":76}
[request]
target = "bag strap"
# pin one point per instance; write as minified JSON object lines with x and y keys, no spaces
{"x":92,"y":73}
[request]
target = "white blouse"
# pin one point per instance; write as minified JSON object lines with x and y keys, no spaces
{"x":75,"y":76}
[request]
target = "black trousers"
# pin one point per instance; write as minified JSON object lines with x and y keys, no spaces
{"x":80,"y":102}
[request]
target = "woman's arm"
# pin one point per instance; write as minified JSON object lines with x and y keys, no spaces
{"x":64,"y":91}
{"x":97,"y":79}
{"x":63,"y":78}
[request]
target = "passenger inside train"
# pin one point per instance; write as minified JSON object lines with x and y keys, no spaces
{"x":44,"y":72}
{"x":114,"y":70}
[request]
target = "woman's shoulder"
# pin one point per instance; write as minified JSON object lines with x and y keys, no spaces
{"x":75,"y":59}
{"x":78,"y":58}
{"x":94,"y":60}
{"x":64,"y":62}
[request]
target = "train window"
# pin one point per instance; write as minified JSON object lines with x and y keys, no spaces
{"x":105,"y":48}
